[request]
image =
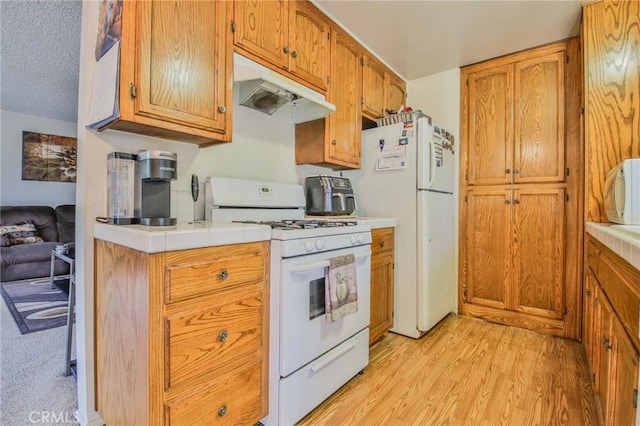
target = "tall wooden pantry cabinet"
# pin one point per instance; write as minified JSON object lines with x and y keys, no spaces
{"x":520,"y":180}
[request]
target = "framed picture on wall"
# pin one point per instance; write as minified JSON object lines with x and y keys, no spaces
{"x":48,"y":157}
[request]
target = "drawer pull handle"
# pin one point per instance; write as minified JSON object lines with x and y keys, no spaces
{"x":224,"y":274}
{"x":222,"y":411}
{"x":223,"y":335}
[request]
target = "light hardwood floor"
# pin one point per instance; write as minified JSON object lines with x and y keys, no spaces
{"x":466,"y":372}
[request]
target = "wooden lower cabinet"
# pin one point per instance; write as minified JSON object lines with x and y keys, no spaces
{"x":610,"y":345}
{"x":182,"y":336}
{"x":382,"y":259}
{"x":515,"y":255}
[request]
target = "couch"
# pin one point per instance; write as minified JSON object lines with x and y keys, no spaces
{"x":33,"y":259}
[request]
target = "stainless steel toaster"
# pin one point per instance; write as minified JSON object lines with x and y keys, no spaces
{"x":329,"y":195}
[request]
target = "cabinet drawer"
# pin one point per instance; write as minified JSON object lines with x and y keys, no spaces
{"x":235,"y":401}
{"x":204,"y":344}
{"x":201,"y":271}
{"x":382,"y":239}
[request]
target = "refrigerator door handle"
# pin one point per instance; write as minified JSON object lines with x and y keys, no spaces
{"x":432,"y":160}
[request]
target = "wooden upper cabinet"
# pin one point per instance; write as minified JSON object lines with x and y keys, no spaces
{"x":262,"y":29}
{"x":396,"y":89}
{"x":514,"y":118}
{"x":290,"y":36}
{"x":175,"y":80}
{"x":345,"y":124}
{"x":309,"y":39}
{"x":489,"y":147}
{"x":374,"y":87}
{"x":539,"y":119}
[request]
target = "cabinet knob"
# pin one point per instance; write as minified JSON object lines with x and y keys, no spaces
{"x":286,"y":49}
{"x":223,"y":335}
{"x":224,"y":274}
{"x":588,"y":292}
{"x":333,"y":142}
{"x":507,"y":171}
{"x":381,"y":243}
{"x":516,"y":201}
{"x":507,"y":201}
{"x":222,"y":108}
{"x":605,"y":341}
{"x":294,"y":54}
{"x":222,"y":411}
{"x":516,"y":171}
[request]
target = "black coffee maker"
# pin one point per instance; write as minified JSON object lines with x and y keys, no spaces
{"x":154,"y":172}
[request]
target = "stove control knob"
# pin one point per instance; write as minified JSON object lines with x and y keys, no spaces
{"x":308,"y":246}
{"x":320,"y":244}
{"x":361,"y":239}
{"x":354,"y":240}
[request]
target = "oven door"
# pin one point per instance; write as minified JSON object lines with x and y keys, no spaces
{"x":304,"y":332}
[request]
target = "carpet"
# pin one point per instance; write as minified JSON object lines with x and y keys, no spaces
{"x":34,"y":306}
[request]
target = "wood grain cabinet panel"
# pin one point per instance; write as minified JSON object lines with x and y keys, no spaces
{"x":490,"y":142}
{"x":488,"y":247}
{"x":175,"y":79}
{"x":335,"y":140}
{"x":382,"y":283}
{"x":374,"y":89}
{"x":520,"y":238}
{"x":611,"y":335}
{"x":290,"y":36}
{"x":196,"y":360}
{"x":539,"y":119}
{"x":396,"y":93}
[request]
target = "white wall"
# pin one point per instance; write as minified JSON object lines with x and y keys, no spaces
{"x":438,"y":96}
{"x":15,"y":191}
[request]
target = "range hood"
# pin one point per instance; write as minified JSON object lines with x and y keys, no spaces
{"x":267,"y":91}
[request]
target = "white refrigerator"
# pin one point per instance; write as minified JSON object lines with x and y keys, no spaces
{"x":408,"y":172}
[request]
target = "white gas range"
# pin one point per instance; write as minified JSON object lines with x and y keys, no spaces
{"x":309,"y":357}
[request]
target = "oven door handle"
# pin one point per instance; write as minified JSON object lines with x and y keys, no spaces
{"x":323,"y":264}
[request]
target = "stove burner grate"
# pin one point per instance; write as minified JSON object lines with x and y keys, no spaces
{"x":291,"y":224}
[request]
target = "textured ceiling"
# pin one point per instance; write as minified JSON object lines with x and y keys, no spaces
{"x":40,"y":40}
{"x":39,"y":50}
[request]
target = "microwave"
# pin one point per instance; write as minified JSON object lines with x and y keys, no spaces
{"x":622,"y":193}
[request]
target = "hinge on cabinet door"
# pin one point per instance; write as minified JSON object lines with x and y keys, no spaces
{"x":465,"y":198}
{"x":567,"y":171}
{"x":362,"y":100}
{"x":466,"y":176}
{"x":567,"y":197}
{"x":362,"y":61}
{"x":566,"y":311}
{"x":635,"y":398}
{"x":233,"y":26}
{"x":328,"y":35}
{"x":132,"y":90}
{"x":567,"y":58}
{"x":328,"y":79}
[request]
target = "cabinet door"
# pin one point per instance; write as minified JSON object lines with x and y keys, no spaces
{"x":539,"y":119}
{"x":624,"y":378}
{"x":538,"y":240}
{"x":604,"y":346}
{"x":589,"y":321}
{"x":182,"y":76}
{"x":373,"y":87}
{"x":490,"y":138}
{"x":489,"y":247}
{"x":381,"y":295}
{"x":262,"y":28}
{"x":345,"y":123}
{"x":396,"y":93}
{"x":309,"y":39}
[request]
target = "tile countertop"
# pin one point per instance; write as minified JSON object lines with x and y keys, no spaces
{"x":624,"y":240}
{"x":156,"y":239}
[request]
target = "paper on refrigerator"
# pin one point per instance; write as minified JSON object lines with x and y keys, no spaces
{"x":391,"y":157}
